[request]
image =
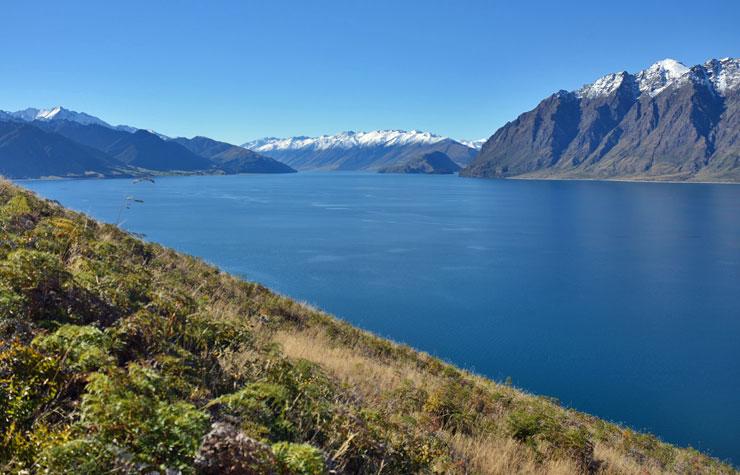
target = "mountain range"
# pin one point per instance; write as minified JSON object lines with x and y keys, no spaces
{"x":360,"y":150}
{"x":667,"y":122}
{"x":58,"y":142}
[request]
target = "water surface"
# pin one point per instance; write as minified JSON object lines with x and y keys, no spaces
{"x":619,"y":299}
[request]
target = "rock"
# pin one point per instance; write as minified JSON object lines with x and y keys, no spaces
{"x":225,"y":450}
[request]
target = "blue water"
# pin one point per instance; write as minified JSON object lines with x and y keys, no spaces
{"x":619,"y":299}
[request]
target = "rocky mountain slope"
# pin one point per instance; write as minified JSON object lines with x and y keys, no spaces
{"x":359,"y":150}
{"x":432,"y":163}
{"x":121,"y":356}
{"x":667,"y":122}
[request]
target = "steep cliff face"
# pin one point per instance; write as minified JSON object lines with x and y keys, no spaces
{"x":666,"y":122}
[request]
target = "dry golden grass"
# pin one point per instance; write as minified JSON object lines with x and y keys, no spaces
{"x":490,"y":453}
{"x":615,"y":463}
{"x":503,"y":456}
{"x":349,"y":366}
{"x":486,"y":455}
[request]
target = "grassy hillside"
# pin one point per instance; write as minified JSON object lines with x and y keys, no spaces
{"x":118,"y":356}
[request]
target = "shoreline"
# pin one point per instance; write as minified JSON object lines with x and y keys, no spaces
{"x":518,"y":177}
{"x":622,"y":180}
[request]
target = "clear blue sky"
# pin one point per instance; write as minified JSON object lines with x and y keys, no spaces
{"x":237,"y":70}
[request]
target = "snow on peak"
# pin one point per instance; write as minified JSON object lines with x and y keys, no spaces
{"x":474,"y":144}
{"x":48,"y":114}
{"x":659,"y":76}
{"x":603,"y":86}
{"x":346,"y":140}
{"x":26,"y":114}
{"x":721,"y":75}
{"x":58,"y":113}
{"x":724,"y":74}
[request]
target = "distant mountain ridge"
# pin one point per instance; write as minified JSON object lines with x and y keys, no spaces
{"x":57,"y":142}
{"x":359,"y":150}
{"x":29,"y":152}
{"x":231,"y":158}
{"x":474,"y":144}
{"x":58,"y":113}
{"x":432,"y":163}
{"x":667,"y":122}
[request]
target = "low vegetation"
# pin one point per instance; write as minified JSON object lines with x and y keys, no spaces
{"x":119,"y":356}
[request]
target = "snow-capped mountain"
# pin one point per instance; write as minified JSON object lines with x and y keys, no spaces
{"x":668,"y":121}
{"x":60,"y":113}
{"x":722,"y":75}
{"x":359,"y":150}
{"x":475,"y":144}
{"x":349,"y":139}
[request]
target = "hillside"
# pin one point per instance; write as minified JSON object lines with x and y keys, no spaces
{"x":433,"y":163}
{"x":120,"y":356}
{"x":139,"y":149}
{"x":232,"y":159}
{"x":62,"y":143}
{"x":667,"y":122}
{"x":28,"y":152}
{"x":359,"y":150}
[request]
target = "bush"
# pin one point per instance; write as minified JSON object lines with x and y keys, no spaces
{"x":39,"y":277}
{"x":299,"y":459}
{"x":263,"y":409}
{"x":451,"y":407}
{"x":12,"y":310}
{"x":79,"y":348}
{"x":85,"y":455}
{"x":132,"y":409}
{"x":28,"y":384}
{"x":525,"y":425}
{"x":17,"y":205}
{"x":546,"y":430}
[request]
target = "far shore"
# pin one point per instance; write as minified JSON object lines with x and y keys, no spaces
{"x":518,"y":177}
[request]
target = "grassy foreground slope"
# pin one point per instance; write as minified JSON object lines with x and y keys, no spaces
{"x":119,"y":356}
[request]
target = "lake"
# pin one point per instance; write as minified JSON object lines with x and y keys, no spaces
{"x":618,"y":299}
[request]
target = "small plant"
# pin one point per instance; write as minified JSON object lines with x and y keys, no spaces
{"x":40,"y":278}
{"x":299,"y":459}
{"x":132,"y":409}
{"x":78,"y":348}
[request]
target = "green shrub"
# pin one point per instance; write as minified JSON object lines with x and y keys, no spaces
{"x":546,"y":430}
{"x":451,"y":407}
{"x":123,"y":289}
{"x":132,"y":409}
{"x":28,"y":384}
{"x":17,"y":205}
{"x":299,"y":459}
{"x":39,"y":277}
{"x":86,"y":455}
{"x":204,"y":334}
{"x":263,"y":409}
{"x":525,"y":425}
{"x":79,"y":348}
{"x":12,"y":313}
